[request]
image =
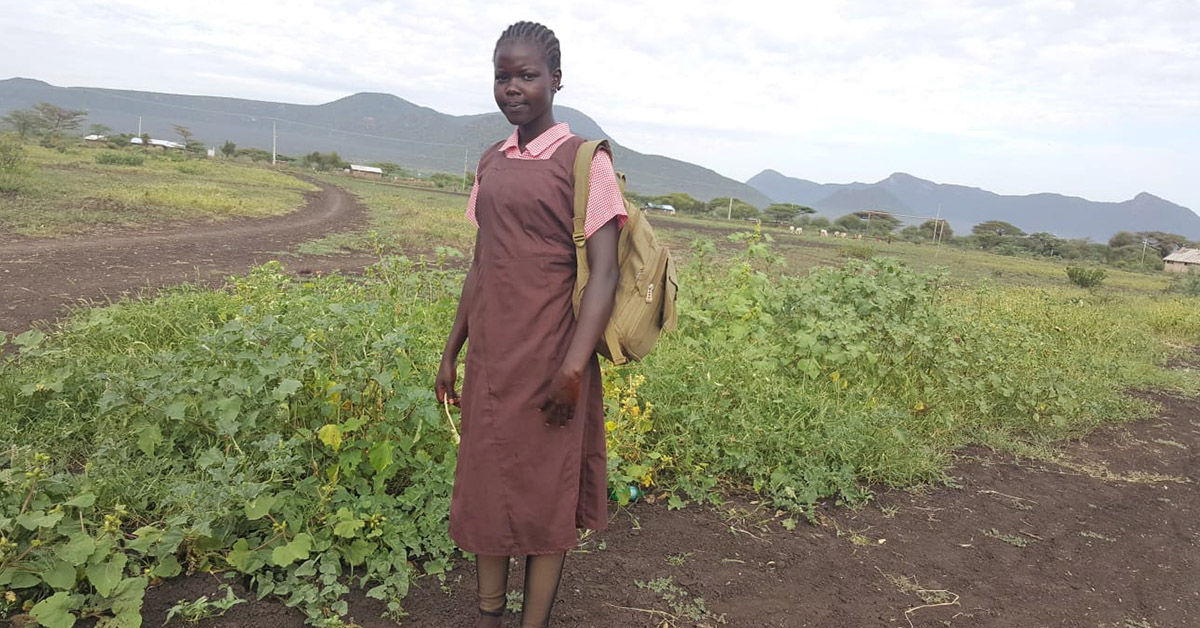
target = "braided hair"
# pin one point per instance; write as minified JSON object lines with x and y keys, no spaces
{"x":538,"y":35}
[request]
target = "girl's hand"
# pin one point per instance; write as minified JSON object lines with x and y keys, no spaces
{"x":443,"y":386}
{"x":559,"y":405}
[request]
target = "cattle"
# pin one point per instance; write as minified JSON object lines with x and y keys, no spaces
{"x":800,"y":230}
{"x":824,"y":233}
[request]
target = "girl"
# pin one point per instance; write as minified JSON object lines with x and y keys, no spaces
{"x":532,"y":463}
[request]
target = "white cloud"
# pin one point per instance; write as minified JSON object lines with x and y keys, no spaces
{"x":819,"y":89}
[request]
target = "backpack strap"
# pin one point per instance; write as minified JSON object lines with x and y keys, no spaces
{"x":583,"y":168}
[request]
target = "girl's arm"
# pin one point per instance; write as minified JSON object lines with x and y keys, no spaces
{"x":595,"y":308}
{"x":448,"y":371}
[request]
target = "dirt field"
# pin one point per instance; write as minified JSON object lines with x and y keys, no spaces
{"x":1108,"y":539}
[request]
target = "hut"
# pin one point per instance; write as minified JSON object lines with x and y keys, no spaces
{"x":1182,"y":261}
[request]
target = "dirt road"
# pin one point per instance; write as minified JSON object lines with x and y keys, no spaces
{"x":39,"y":278}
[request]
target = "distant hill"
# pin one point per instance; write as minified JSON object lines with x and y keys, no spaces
{"x":362,"y":127}
{"x":964,"y":207}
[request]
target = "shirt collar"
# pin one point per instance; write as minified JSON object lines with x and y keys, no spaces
{"x":539,"y":143}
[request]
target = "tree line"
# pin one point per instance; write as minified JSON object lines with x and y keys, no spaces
{"x":1128,"y":249}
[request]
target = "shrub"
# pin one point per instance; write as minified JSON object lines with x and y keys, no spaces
{"x":12,"y":161}
{"x":120,"y":159}
{"x":858,"y":251}
{"x":1086,"y":277}
{"x":1187,"y":283}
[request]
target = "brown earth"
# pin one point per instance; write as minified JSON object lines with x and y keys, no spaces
{"x":1107,"y":537}
{"x":40,"y":278}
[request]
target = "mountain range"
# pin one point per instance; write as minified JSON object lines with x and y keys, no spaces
{"x":364,"y":127}
{"x":370,"y":127}
{"x":964,"y":207}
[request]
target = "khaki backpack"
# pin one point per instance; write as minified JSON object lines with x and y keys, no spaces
{"x":646,"y":286}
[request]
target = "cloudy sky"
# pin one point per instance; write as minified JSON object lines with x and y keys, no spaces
{"x":1096,"y":98}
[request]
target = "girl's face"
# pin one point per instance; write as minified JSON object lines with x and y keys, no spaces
{"x":525,"y":86}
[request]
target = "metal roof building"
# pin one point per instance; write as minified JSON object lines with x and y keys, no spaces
{"x":1182,"y":261}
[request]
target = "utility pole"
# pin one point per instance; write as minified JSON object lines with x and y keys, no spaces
{"x":729,"y":216}
{"x":1144,"y":243}
{"x":272,"y":142}
{"x":464,"y":183}
{"x":139,"y":126}
{"x":937,"y":248}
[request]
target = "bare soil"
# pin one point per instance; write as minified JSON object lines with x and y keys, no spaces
{"x":1108,"y":537}
{"x":41,"y":278}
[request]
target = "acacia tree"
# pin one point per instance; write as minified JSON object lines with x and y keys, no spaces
{"x":99,"y":129}
{"x":996,"y":228}
{"x":229,"y":149}
{"x":933,"y":229}
{"x":787,"y":212}
{"x":877,"y":222}
{"x":733,"y":207}
{"x":56,"y":120}
{"x":1123,"y":238}
{"x":25,"y":122}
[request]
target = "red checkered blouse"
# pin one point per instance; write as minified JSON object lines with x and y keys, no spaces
{"x":604,"y":200}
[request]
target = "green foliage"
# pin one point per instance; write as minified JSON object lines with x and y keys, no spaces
{"x":1186,"y":283}
{"x":858,"y":251}
{"x":285,"y":430}
{"x":12,"y":164}
{"x":935,"y":229}
{"x":302,"y":473}
{"x":57,"y":120}
{"x":739,"y":210}
{"x":1123,"y":238}
{"x":115,"y":158}
{"x":323,"y":162}
{"x":193,"y":611}
{"x":447,"y":181}
{"x":1086,"y":277}
{"x":996,"y":228}
{"x":24,"y":122}
{"x":786,"y":212}
{"x":878,"y":223}
{"x":228,"y":149}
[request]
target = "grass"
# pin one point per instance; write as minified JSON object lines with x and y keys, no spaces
{"x":69,"y":193}
{"x":402,"y":220}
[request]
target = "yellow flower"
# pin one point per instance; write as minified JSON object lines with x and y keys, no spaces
{"x":610,"y":426}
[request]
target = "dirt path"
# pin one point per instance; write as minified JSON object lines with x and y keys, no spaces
{"x":38,"y":278}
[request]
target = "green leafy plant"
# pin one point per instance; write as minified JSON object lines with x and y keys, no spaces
{"x":1086,"y":277}
{"x":193,"y":611}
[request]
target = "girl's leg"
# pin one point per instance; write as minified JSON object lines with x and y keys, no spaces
{"x":542,"y":574}
{"x":492,"y":572}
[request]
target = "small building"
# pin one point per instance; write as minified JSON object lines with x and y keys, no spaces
{"x":160,"y":144}
{"x":94,"y":138}
{"x":366,"y":172}
{"x":662,"y":208}
{"x":1182,"y":261}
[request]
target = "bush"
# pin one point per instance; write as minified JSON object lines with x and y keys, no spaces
{"x":1186,"y":283}
{"x":1086,"y":277}
{"x":120,"y":159}
{"x":12,"y":161}
{"x":858,"y":251}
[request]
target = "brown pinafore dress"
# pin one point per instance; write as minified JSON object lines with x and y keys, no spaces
{"x":522,"y":487}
